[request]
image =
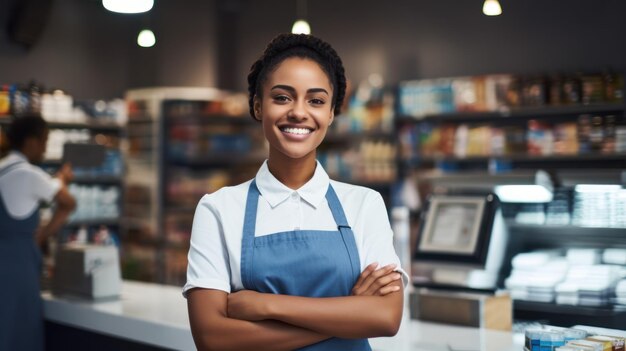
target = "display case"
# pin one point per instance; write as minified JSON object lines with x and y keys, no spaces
{"x":183,"y":143}
{"x":473,"y":133}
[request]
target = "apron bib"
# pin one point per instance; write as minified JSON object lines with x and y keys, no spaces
{"x":311,"y":263}
{"x":21,"y":314}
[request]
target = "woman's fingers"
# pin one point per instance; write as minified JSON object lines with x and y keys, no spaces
{"x":388,"y":290}
{"x":366,"y":272}
{"x":383,"y":282}
{"x":367,"y":284}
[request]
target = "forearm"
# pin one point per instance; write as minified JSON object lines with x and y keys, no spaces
{"x":345,"y":317}
{"x":54,"y":225}
{"x":212,"y":329}
{"x":234,"y":334}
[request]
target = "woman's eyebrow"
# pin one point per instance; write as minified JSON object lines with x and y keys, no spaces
{"x":293,"y":91}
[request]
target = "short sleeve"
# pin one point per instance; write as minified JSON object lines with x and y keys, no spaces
{"x":208,"y":266}
{"x":43,"y":187}
{"x":378,"y":236}
{"x":25,"y":188}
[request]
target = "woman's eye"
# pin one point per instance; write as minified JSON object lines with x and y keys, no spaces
{"x":317,"y":102}
{"x":281,"y":98}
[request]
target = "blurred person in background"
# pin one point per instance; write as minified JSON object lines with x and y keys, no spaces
{"x":23,"y":187}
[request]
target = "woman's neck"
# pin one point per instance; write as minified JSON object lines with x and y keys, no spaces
{"x":292,"y":172}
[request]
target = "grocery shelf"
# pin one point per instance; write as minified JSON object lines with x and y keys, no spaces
{"x":608,"y":316}
{"x":211,"y":119}
{"x":92,"y":222}
{"x":224,"y":159}
{"x":517,"y":112}
{"x":339,"y":137}
{"x":98,"y":180}
{"x":520,"y":158}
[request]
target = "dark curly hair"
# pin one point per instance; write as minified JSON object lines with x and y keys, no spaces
{"x":304,"y":46}
{"x":24,"y":127}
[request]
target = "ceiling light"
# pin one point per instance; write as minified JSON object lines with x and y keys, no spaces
{"x":146,"y":38}
{"x":301,"y":27}
{"x":492,"y":8}
{"x":128,"y":6}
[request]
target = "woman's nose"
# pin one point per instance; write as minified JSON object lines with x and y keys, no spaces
{"x":299,"y":110}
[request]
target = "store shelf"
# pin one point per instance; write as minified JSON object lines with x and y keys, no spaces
{"x":224,"y":159}
{"x":101,"y":126}
{"x":92,"y":222}
{"x":203,"y":119}
{"x":526,"y":157}
{"x":566,"y":236}
{"x":173,"y":208}
{"x":609,"y":316}
{"x":105,"y":180}
{"x":520,"y":112}
{"x":334,"y":137}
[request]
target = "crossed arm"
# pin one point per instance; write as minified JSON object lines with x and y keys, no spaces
{"x":252,"y":320}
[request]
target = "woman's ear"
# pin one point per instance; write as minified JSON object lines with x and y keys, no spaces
{"x":256,"y":106}
{"x":332,"y":117}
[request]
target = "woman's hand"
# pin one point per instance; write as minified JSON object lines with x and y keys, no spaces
{"x":376,"y":282}
{"x":247,"y":305}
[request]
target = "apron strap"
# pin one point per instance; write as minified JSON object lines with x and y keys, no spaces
{"x":247,"y":241}
{"x":346,"y":231}
{"x":10,"y":167}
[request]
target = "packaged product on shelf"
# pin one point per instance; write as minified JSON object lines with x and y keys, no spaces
{"x":429,"y":143}
{"x":620,"y":139}
{"x":556,"y":95}
{"x":608,"y":144}
{"x":469,"y":94}
{"x":514,"y":92}
{"x":496,"y":91}
{"x":478,"y":143}
{"x":57,"y":106}
{"x":614,"y":87}
{"x":19,"y":98}
{"x":584,"y":134}
{"x":610,"y":342}
{"x":423,"y":97}
{"x":515,"y":140}
{"x":534,"y":91}
{"x":34,"y":92}
{"x":572,"y":91}
{"x":566,"y":138}
{"x":446,"y":140}
{"x":461,"y":140}
{"x":497,"y":142}
{"x":596,"y":135}
{"x":593,"y":90}
{"x":5,"y":102}
{"x":408,"y":140}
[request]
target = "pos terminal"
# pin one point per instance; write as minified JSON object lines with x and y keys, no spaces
{"x":461,"y":243}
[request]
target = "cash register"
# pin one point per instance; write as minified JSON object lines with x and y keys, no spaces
{"x":461,"y":242}
{"x":460,"y":249}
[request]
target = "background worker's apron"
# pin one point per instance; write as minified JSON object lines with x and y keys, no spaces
{"x":21,"y":316}
{"x":312,"y":263}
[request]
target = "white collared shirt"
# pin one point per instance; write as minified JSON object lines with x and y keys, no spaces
{"x":215,"y":252}
{"x":23,"y":188}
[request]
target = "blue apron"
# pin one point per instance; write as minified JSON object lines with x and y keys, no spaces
{"x":21,"y":316}
{"x":312,"y":263}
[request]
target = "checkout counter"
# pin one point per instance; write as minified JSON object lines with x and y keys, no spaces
{"x":154,"y":317}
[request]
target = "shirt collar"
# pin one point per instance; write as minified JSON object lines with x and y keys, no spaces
{"x":17,"y":156}
{"x":275,"y":192}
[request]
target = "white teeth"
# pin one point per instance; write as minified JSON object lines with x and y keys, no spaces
{"x":296,"y":130}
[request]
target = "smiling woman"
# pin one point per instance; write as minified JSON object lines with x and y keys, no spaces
{"x":304,"y":271}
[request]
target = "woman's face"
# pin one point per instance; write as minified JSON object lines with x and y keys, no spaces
{"x":296,"y":107}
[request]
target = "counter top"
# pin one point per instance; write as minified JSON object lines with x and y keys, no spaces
{"x":147,"y":313}
{"x":157,"y":315}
